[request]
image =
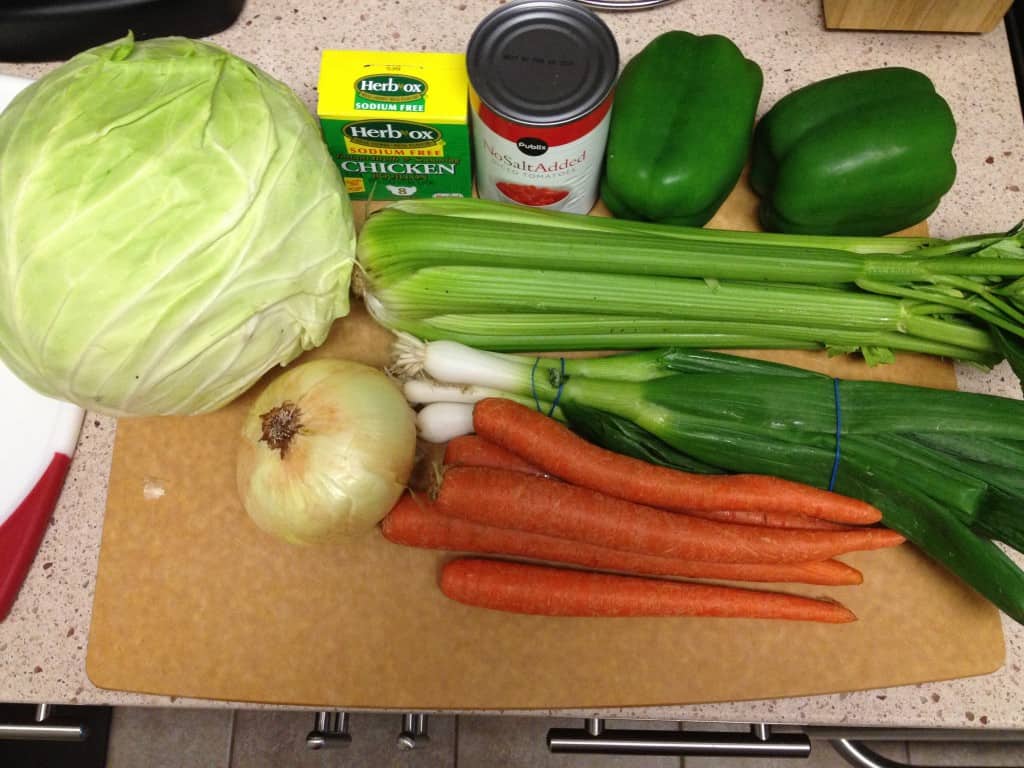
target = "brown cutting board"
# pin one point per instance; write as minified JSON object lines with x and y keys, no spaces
{"x":193,"y":600}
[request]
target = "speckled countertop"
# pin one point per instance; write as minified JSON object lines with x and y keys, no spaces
{"x":42,"y":643}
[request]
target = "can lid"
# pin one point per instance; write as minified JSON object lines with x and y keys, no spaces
{"x":542,"y":62}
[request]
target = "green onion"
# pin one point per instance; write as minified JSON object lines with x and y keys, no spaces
{"x":942,"y":466}
{"x":511,"y":278}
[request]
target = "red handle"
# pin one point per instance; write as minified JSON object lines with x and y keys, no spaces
{"x":22,"y":532}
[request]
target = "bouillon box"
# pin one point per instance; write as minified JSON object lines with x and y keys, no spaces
{"x":397,"y":123}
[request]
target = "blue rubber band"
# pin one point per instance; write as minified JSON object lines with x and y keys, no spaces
{"x":839,"y":430}
{"x":561,"y":386}
{"x":533,"y":384}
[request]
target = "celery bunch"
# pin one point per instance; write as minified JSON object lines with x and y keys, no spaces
{"x":504,"y":277}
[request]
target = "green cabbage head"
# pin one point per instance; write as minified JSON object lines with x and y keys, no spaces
{"x":171,"y":227}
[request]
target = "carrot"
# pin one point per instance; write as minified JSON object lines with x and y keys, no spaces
{"x":537,"y":504}
{"x":552,"y":447}
{"x":769,"y":519}
{"x":474,"y":451}
{"x":414,"y":522}
{"x":545,"y":591}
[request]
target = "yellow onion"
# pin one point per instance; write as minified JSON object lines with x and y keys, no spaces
{"x":326,"y":451}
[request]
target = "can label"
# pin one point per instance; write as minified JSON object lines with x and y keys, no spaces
{"x":556,"y":168}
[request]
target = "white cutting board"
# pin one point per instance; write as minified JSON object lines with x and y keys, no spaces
{"x":34,"y":457}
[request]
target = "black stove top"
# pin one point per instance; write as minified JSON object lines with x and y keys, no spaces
{"x":1015,"y":34}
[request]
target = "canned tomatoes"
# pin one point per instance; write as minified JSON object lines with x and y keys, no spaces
{"x":541,"y":74}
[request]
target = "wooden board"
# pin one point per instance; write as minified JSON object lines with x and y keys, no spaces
{"x":193,"y":600}
{"x":916,"y":15}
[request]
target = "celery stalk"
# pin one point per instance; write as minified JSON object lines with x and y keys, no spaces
{"x":485,"y":210}
{"x":828,"y":319}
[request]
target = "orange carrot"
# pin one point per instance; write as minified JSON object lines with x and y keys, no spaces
{"x":474,"y":451}
{"x":537,"y":504}
{"x":552,"y":447}
{"x":768,"y":519}
{"x":414,"y":522}
{"x":545,"y":591}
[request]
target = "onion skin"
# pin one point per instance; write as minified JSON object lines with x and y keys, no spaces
{"x":325,"y":451}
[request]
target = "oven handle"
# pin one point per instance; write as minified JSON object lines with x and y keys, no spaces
{"x":594,"y":739}
{"x":42,"y":731}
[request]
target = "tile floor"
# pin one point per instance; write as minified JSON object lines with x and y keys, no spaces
{"x":176,"y":738}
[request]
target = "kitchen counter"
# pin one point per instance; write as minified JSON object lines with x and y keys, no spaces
{"x":43,"y":642}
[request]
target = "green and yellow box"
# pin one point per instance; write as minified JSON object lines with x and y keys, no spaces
{"x":397,"y":124}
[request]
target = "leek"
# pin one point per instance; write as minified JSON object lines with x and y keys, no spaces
{"x":944,"y":467}
{"x":509,"y":278}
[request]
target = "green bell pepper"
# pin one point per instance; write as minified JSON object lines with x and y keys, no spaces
{"x":865,"y":153}
{"x":680,"y":129}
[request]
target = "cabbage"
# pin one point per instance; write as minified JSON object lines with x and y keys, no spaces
{"x":171,"y":227}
